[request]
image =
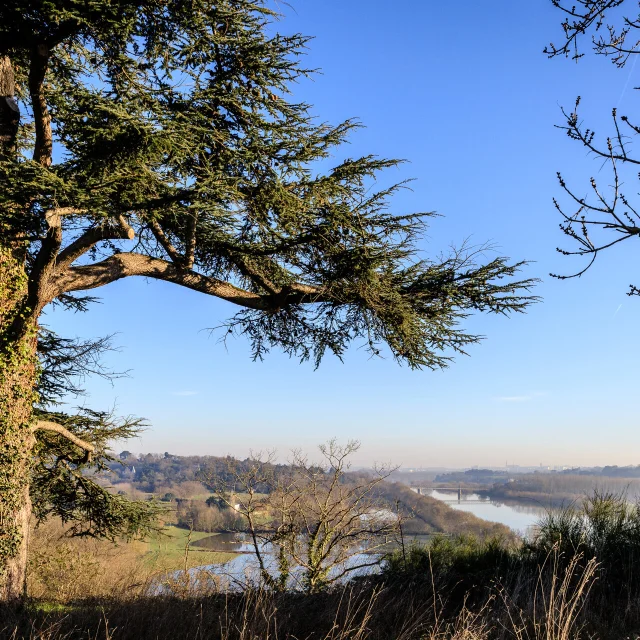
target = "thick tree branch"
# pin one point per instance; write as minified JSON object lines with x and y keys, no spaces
{"x":46,"y":258}
{"x":45,"y":425}
{"x":43,"y":264}
{"x":123,"y":265}
{"x":40,"y":276}
{"x":89,"y":238}
{"x":248,"y":270}
{"x":51,"y":243}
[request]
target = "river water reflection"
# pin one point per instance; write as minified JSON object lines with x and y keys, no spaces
{"x":230,"y":542}
{"x":519,"y":516}
{"x":244,"y":569}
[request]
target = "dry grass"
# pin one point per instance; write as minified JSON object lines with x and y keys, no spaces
{"x":365,"y":610}
{"x":62,"y":569}
{"x":553,"y":613}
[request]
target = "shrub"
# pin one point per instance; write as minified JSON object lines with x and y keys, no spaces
{"x":604,"y":526}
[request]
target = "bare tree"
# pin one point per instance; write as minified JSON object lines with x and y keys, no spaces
{"x":606,"y":216}
{"x":318,"y":522}
{"x":241,"y":487}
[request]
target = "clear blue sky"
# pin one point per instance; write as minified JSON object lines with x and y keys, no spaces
{"x":462,"y":91}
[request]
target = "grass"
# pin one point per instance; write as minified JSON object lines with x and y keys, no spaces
{"x":167,"y":550}
{"x":365,"y":610}
{"x":63,"y":569}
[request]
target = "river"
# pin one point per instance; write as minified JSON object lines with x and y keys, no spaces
{"x":520,"y":516}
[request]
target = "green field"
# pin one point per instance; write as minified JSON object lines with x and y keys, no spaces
{"x":167,"y":550}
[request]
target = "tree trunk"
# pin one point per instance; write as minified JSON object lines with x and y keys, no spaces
{"x":9,"y":112}
{"x":18,"y":376}
{"x":18,"y":370}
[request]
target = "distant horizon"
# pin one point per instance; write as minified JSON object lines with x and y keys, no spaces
{"x":402,"y":468}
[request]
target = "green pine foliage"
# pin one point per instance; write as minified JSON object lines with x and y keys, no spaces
{"x":64,"y":482}
{"x":64,"y":475}
{"x":178,"y":153}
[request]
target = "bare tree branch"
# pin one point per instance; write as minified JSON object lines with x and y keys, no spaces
{"x":317,"y":519}
{"x":592,"y":217}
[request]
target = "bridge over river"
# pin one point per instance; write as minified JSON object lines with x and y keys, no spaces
{"x":459,"y":491}
{"x":520,"y":516}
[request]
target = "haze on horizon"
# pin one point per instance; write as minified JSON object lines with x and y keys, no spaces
{"x":464,"y":92}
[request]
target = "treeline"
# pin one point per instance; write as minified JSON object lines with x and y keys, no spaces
{"x":187,"y":481}
{"x":553,"y":489}
{"x":474,"y":476}
{"x":153,"y":473}
{"x":490,"y":476}
{"x":612,"y":471}
{"x":208,"y":516}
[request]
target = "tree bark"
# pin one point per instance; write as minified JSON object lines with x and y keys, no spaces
{"x":18,"y":377}
{"x":9,"y":112}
